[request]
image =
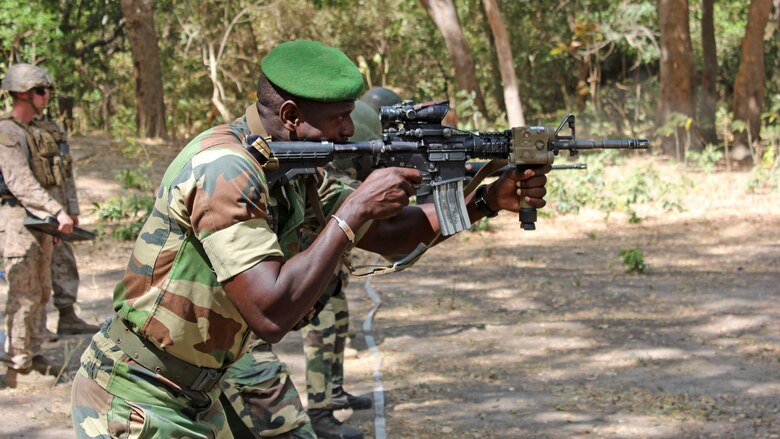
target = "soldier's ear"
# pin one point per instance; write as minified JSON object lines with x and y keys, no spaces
{"x":290,"y":115}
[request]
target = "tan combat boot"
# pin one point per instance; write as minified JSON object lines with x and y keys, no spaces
{"x":43,"y":366}
{"x":27,"y":378}
{"x":70,"y":324}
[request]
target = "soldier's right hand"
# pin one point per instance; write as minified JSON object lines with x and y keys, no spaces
{"x":384,"y":193}
{"x":66,"y":222}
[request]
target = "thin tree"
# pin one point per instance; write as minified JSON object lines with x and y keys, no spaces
{"x":677,"y":88}
{"x":709,"y":72}
{"x":514,"y":108}
{"x":749,"y":86}
{"x":445,"y":16}
{"x":149,"y":105}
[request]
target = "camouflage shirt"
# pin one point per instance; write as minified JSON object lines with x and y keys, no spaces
{"x":213,"y":218}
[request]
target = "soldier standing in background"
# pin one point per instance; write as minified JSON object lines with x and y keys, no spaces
{"x":325,"y":338}
{"x":33,"y":172}
{"x":64,"y":271}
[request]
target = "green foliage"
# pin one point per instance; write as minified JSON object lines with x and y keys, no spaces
{"x":706,"y":160}
{"x":133,"y":179}
{"x":122,"y":216}
{"x":633,"y":260}
{"x":570,"y":190}
{"x":28,"y":32}
{"x":597,"y":58}
{"x":766,"y":176}
{"x":483,"y":225}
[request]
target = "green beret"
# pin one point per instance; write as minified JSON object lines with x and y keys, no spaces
{"x":312,"y":70}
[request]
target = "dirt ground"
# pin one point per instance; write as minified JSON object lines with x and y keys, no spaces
{"x":512,"y":334}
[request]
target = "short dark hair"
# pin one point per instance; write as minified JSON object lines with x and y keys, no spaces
{"x":271,"y":96}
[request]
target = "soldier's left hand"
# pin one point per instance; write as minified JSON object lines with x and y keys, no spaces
{"x":515,"y":186}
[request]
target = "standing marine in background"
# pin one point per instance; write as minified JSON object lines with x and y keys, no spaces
{"x":64,"y":270}
{"x":34,"y":181}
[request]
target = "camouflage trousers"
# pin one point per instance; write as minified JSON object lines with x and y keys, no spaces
{"x":64,"y":276}
{"x":116,"y":397}
{"x":29,"y":289}
{"x":324,"y":341}
{"x":260,"y":399}
{"x":64,"y":279}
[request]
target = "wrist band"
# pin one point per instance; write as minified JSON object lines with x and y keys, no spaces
{"x":481,"y":202}
{"x":345,"y":228}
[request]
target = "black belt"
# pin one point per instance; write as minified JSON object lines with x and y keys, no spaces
{"x":143,"y":352}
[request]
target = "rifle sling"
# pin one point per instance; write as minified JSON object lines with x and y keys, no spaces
{"x":254,"y":122}
{"x":314,"y":200}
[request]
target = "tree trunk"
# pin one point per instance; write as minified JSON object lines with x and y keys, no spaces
{"x":709,"y":73}
{"x":749,"y":86}
{"x":677,"y":89}
{"x":149,"y":106}
{"x":514,"y":108}
{"x":445,"y":16}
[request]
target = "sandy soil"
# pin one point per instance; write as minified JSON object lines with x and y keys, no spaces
{"x":512,"y":334}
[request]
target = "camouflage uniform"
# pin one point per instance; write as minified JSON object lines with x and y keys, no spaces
{"x":34,"y":175}
{"x":213,"y":218}
{"x":325,"y":339}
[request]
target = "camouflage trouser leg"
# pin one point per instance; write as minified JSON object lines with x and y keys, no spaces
{"x":29,"y":288}
{"x":260,"y":399}
{"x":341,"y":311}
{"x":113,"y":396}
{"x":64,"y":276}
{"x":323,"y":346}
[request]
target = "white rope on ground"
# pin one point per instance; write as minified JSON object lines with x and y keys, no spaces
{"x":379,"y":391}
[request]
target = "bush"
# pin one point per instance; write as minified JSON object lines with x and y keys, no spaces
{"x":633,"y":260}
{"x":123,"y":216}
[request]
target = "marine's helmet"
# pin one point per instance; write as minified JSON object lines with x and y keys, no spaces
{"x":366,"y":120}
{"x":377,"y":97}
{"x":23,"y":77}
{"x":367,"y":127}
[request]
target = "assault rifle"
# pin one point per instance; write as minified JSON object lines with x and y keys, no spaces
{"x":415,"y":138}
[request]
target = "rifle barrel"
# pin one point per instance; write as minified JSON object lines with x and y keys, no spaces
{"x":605,"y":144}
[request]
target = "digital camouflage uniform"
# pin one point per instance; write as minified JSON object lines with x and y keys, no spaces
{"x":35,"y":176}
{"x":65,"y":275}
{"x":213,"y":219}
